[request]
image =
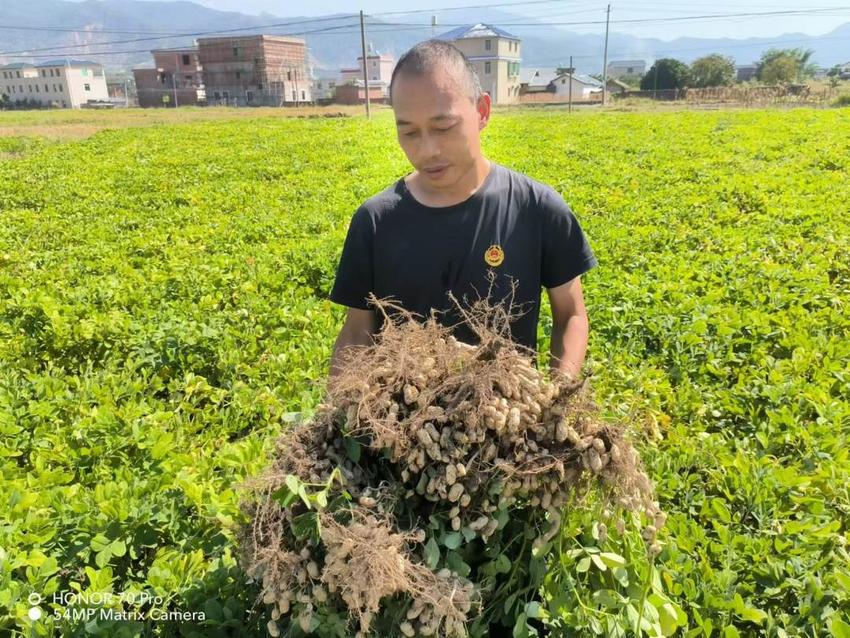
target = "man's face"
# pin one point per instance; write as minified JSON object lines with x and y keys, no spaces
{"x":439,"y":127}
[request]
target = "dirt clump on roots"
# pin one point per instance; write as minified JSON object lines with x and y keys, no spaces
{"x":422,"y":438}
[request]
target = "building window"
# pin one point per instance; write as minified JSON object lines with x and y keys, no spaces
{"x":486,"y":67}
{"x":18,"y":73}
{"x":238,"y":75}
{"x":29,"y":88}
{"x":36,"y":88}
{"x":319,"y":85}
{"x":216,"y":95}
{"x":87,"y":87}
{"x":186,"y":60}
{"x":4,"y":74}
{"x":235,"y":52}
{"x":46,"y":90}
{"x":289,"y":76}
{"x":64,"y":105}
{"x":21,"y":88}
{"x":486,"y":45}
{"x":188,"y":78}
{"x":260,"y":86}
{"x":303,"y":95}
{"x":43,"y":73}
{"x":294,"y":95}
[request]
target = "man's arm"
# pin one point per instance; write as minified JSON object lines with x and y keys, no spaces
{"x":569,"y":328}
{"x":358,"y":329}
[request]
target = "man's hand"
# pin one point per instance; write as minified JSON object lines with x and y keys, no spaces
{"x":569,"y":328}
{"x":358,"y":330}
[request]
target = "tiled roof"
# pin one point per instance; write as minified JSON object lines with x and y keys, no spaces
{"x":479,"y":30}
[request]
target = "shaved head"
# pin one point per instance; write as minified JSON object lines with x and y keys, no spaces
{"x":431,"y":55}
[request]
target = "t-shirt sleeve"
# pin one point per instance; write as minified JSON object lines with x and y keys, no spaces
{"x":566,"y":252}
{"x":354,"y":274}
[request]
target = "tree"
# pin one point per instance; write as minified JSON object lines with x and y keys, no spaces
{"x":713,"y":70}
{"x":784,"y":66}
{"x":666,"y":73}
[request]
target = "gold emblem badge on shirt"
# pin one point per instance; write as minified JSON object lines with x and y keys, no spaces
{"x":494,"y":255}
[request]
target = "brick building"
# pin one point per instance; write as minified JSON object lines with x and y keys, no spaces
{"x":255,"y":70}
{"x":176,"y":80}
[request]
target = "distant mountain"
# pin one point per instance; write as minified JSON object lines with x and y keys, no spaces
{"x":133,"y":27}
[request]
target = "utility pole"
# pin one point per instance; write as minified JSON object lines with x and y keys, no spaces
{"x":365,"y":66}
{"x":570,"y":109}
{"x":605,"y":59}
{"x":174,"y":78}
{"x":433,"y":26}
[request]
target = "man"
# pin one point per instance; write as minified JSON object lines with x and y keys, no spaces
{"x":458,"y":219}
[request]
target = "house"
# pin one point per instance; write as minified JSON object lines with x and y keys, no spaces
{"x":746,"y":72}
{"x":62,"y":83}
{"x":255,"y":70}
{"x":582,"y":85}
{"x":619,"y":68}
{"x":844,"y":71}
{"x":380,"y":67}
{"x":353,"y":92}
{"x":495,"y":54}
{"x":324,"y":87}
{"x":615,"y":87}
{"x":536,"y":80}
{"x":176,"y":80}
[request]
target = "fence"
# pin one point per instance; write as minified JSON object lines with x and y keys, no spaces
{"x":546,"y":97}
{"x":791,"y":95}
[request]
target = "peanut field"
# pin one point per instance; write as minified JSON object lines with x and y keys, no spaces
{"x":164,"y":317}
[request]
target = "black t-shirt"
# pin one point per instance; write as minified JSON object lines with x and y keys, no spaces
{"x":519,"y":229}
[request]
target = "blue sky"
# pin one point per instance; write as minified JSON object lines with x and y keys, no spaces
{"x":823,"y":16}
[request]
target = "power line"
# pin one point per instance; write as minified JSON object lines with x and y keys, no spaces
{"x":147,"y":50}
{"x":712,"y":16}
{"x":180,"y":35}
{"x":475,"y":6}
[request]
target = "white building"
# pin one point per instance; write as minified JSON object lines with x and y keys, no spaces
{"x":496,"y":56}
{"x":62,"y":83}
{"x":583,"y":85}
{"x":537,"y":80}
{"x":619,"y":68}
{"x":379,"y":66}
{"x":324,"y":87}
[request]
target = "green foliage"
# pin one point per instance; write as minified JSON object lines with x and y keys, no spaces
{"x":784,"y":66}
{"x":163,"y":313}
{"x":712,"y":70}
{"x":665,"y":74}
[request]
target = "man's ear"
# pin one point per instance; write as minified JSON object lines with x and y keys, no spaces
{"x":483,"y":108}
